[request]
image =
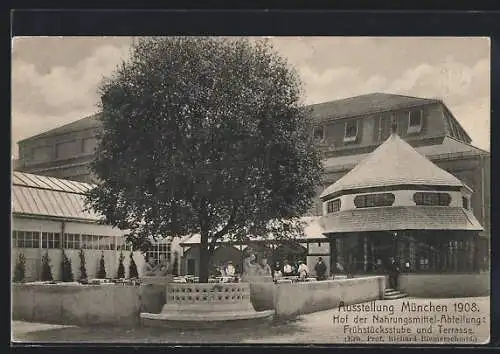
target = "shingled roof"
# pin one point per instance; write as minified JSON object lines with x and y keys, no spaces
{"x":401,"y":218}
{"x":393,"y":163}
{"x":365,"y":104}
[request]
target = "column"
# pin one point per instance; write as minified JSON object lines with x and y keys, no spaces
{"x":365,"y":253}
{"x":333,"y":254}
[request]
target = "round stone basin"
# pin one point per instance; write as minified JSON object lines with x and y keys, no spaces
{"x":205,"y":303}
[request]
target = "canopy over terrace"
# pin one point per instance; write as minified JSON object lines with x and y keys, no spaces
{"x":397,"y":203}
{"x":313,"y":231}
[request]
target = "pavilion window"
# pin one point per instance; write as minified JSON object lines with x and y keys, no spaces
{"x":465,"y":202}
{"x":432,"y":199}
{"x":351,"y":131}
{"x":333,"y":206}
{"x":415,"y":120}
{"x":374,"y":200}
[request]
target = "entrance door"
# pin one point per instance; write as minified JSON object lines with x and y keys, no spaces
{"x":191,"y":266}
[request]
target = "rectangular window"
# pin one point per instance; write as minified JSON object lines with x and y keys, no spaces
{"x":71,"y":241}
{"x":112,"y":243}
{"x":27,"y":239}
{"x":415,"y":119}
{"x":14,"y":238}
{"x":51,"y":240}
{"x":333,"y":206}
{"x":465,"y":202}
{"x":89,"y":145}
{"x":351,"y":131}
{"x":42,"y":154}
{"x":67,"y":149}
{"x":319,"y":134}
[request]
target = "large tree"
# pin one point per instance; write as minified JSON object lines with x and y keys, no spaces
{"x":204,"y":135}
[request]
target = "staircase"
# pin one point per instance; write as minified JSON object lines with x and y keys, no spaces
{"x":392,"y":294}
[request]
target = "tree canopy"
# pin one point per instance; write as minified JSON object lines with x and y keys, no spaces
{"x":204,"y":135}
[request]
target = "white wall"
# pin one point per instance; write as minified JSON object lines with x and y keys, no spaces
{"x":402,"y":198}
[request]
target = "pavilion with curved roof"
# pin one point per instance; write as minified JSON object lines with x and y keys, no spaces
{"x":397,"y":203}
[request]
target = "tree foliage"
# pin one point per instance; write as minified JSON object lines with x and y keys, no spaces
{"x":101,"y":273}
{"x":132,"y":268}
{"x":20,"y":269}
{"x":46,"y":268}
{"x":83,"y":267}
{"x":66,"y":269}
{"x":204,"y":135}
{"x":120,"y":274}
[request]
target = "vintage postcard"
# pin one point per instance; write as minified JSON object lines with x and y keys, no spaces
{"x":331,"y":190}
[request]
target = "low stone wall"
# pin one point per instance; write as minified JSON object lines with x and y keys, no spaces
{"x":445,"y":285}
{"x":121,"y":305}
{"x":83,"y":305}
{"x":300,"y":298}
{"x":292,"y":299}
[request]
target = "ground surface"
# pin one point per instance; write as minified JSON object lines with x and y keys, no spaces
{"x":317,"y":327}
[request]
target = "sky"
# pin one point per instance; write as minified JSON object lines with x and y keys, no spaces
{"x":55,"y":79}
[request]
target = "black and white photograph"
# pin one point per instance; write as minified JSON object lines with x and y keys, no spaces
{"x":250,"y":190}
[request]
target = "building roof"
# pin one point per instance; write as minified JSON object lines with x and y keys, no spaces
{"x":401,"y":218}
{"x":394,"y":162}
{"x":365,"y":104}
{"x":313,"y":230}
{"x":49,"y":197}
{"x":88,"y":122}
{"x":449,"y":146}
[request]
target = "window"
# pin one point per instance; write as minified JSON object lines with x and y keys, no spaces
{"x":319,"y":134}
{"x":374,"y":200}
{"x":42,"y":154}
{"x":333,"y":206}
{"x":424,"y":263}
{"x":87,"y":242}
{"x":351,"y":131}
{"x":431,"y":198}
{"x":465,"y":202}
{"x":26,"y":239}
{"x":71,"y":241}
{"x":122,"y":244}
{"x":67,"y":149}
{"x":159,"y":250}
{"x":51,"y":240}
{"x":89,"y":145}
{"x":415,"y":121}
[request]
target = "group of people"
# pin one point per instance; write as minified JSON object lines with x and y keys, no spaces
{"x":225,"y":270}
{"x":300,"y":269}
{"x":160,"y":268}
{"x":256,"y":267}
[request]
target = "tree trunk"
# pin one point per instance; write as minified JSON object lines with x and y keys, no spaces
{"x":204,"y":256}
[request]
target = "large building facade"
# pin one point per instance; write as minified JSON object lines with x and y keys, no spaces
{"x":346,"y":132}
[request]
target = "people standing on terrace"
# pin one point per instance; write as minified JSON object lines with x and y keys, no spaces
{"x":287,"y":269}
{"x":320,"y":269}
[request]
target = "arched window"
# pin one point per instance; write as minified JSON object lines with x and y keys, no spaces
{"x":432,"y":198}
{"x":333,"y":206}
{"x":374,"y":200}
